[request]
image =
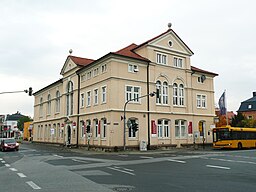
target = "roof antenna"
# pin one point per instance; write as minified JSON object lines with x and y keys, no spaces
{"x":169,"y":25}
{"x":70,"y":51}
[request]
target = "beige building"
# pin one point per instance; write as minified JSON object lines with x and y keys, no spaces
{"x":87,"y":105}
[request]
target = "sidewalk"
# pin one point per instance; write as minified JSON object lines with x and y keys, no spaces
{"x":84,"y":150}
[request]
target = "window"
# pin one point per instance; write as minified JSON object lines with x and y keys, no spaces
{"x":96,"y":128}
{"x":95,"y":72}
{"x":88,"y":99}
{"x":103,"y":68}
{"x":96,"y":96}
{"x":57,"y":102}
{"x":181,"y":95}
{"x":83,"y":77}
{"x":132,"y":68}
{"x":89,"y":75}
{"x":132,"y":93}
{"x":82,"y":99}
{"x":180,"y":129}
{"x":163,"y":128}
{"x":161,"y":58}
{"x":163,"y":93}
{"x":41,"y":107}
{"x":158,"y":98}
{"x":178,"y":95}
{"x":132,"y":133}
{"x":104,"y":130}
{"x":104,"y":94}
{"x":177,"y":62}
{"x":82,"y":127}
{"x":70,"y":98}
{"x":249,"y":106}
{"x":49,"y":104}
{"x":201,"y":101}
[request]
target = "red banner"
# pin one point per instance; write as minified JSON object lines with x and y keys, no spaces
{"x":190,"y":128}
{"x":153,"y":127}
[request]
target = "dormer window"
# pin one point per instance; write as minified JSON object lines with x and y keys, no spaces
{"x":249,"y":106}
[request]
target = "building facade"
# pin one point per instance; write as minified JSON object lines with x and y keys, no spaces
{"x":86,"y":106}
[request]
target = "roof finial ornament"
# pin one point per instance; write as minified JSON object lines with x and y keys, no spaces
{"x":169,"y":25}
{"x":70,"y":51}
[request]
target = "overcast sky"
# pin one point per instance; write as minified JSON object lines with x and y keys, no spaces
{"x":35,"y":37}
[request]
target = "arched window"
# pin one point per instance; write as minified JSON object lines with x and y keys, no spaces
{"x":178,"y":94}
{"x":175,"y":94}
{"x":181,"y":95}
{"x":57,"y":102}
{"x":159,"y":87}
{"x":70,"y":98}
{"x":165,"y":93}
{"x":49,"y":104}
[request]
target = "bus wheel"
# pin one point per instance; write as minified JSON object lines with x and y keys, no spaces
{"x":239,"y":146}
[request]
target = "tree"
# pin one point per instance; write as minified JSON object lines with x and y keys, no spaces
{"x":21,"y":122}
{"x":238,"y":120}
{"x":249,"y":123}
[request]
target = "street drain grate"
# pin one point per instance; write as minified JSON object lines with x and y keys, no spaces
{"x":123,"y":189}
{"x":120,"y":188}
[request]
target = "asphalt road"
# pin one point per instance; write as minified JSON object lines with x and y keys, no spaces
{"x":51,"y":168}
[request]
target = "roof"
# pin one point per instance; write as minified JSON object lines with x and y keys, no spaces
{"x":80,"y":61}
{"x":166,"y":32}
{"x":128,"y":52}
{"x":248,"y":105}
{"x":195,"y":69}
{"x":14,"y":117}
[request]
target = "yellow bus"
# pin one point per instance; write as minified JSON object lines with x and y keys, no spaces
{"x":234,"y":137}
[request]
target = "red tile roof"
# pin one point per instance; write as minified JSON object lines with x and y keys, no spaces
{"x":80,"y":61}
{"x":128,"y":52}
{"x":202,"y":71}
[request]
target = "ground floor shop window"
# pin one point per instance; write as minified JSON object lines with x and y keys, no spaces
{"x":163,"y":128}
{"x":180,"y":129}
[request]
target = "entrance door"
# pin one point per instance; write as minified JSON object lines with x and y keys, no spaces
{"x":69,"y":135}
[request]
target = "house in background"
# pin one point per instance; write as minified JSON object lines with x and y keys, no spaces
{"x":85,"y":106}
{"x":2,"y":118}
{"x":248,"y":107}
{"x":11,"y":125}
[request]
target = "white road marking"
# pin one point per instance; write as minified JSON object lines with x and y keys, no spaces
{"x":121,"y":171}
{"x":217,"y":167}
{"x":80,"y":161}
{"x":21,"y":175}
{"x":13,"y":169}
{"x":2,"y":161}
{"x":129,"y":170}
{"x":177,"y":161}
{"x":7,"y":165}
{"x":146,"y":157}
{"x":33,"y":185}
{"x":58,"y":156}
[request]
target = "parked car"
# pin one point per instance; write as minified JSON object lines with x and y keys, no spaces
{"x":9,"y":144}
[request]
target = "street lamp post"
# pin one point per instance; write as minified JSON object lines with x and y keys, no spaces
{"x":150,"y":94}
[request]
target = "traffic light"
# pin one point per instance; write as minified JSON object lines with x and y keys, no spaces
{"x":157,"y":92}
{"x":135,"y":127}
{"x":88,"y":129}
{"x":30,"y":91}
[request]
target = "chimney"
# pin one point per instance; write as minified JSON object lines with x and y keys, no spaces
{"x":254,"y":94}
